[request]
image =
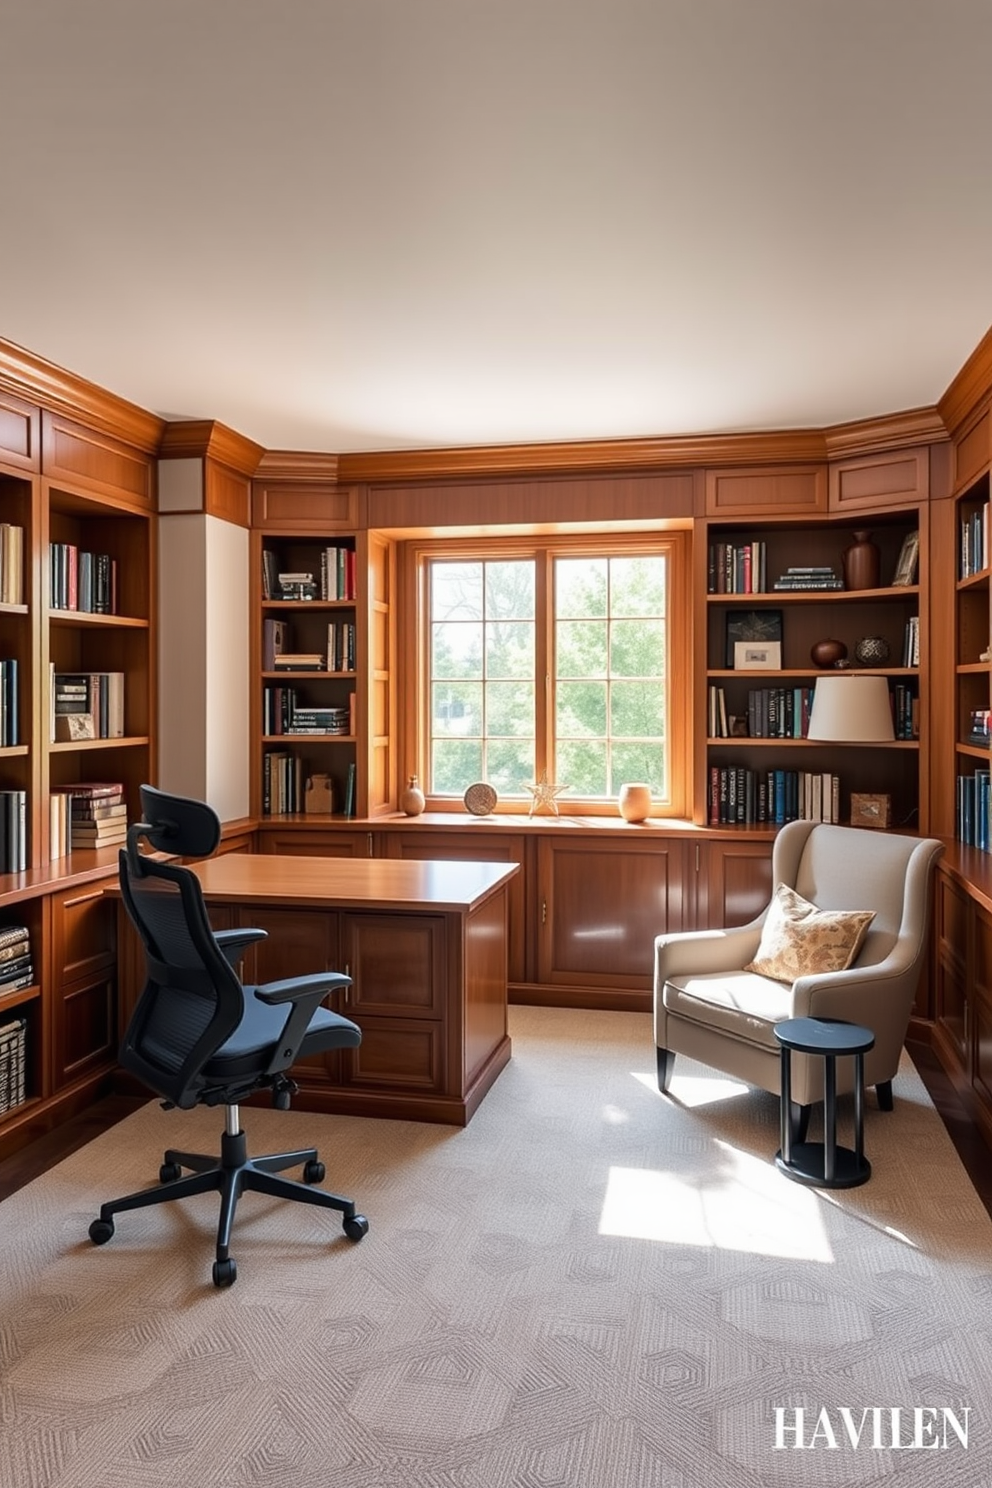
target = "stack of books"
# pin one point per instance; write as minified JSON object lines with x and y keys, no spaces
{"x":16,"y":966}
{"x":13,"y":1090}
{"x":97,"y":814}
{"x":9,"y":725}
{"x":297,"y":585}
{"x":299,"y":661}
{"x":812,"y":576}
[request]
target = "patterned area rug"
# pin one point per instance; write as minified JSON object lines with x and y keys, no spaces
{"x":589,"y":1286}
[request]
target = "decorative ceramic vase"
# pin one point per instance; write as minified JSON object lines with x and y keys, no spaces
{"x":412,"y":800}
{"x":861,"y":563}
{"x":634,"y":802}
{"x":827,"y":653}
{"x":872,"y":651}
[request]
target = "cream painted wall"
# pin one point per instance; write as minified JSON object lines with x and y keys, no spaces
{"x":203,"y":661}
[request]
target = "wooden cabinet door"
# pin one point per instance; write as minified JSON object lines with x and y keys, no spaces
{"x":399,"y":997}
{"x":468,"y":846}
{"x":982,"y":1009}
{"x":301,"y":842}
{"x":300,"y":941}
{"x":600,"y":906}
{"x":84,"y":976}
{"x":952,"y":944}
{"x":734,"y":882}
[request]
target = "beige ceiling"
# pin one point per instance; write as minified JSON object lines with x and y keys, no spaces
{"x":371,"y":224}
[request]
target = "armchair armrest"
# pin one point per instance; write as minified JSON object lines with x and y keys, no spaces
{"x":880,"y":995}
{"x":235,"y":942}
{"x":699,"y":951}
{"x":305,"y":994}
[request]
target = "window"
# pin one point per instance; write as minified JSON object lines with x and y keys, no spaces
{"x":555,"y":659}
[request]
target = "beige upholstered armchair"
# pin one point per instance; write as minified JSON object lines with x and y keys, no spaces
{"x":709,"y":1007}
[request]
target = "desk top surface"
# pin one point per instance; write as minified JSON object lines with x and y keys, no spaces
{"x":351,"y":883}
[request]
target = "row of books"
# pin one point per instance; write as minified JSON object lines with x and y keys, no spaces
{"x":11,"y":564}
{"x":13,"y":831}
{"x":332,"y":577}
{"x":86,"y":815}
{"x":743,"y":797}
{"x":911,"y":642}
{"x":772,"y":713}
{"x":82,"y":581}
{"x":87,"y":705}
{"x":13,"y":1064}
{"x":284,"y":713}
{"x":278,"y":653}
{"x":284,"y":784}
{"x":737,"y":568}
{"x":974,"y":553}
{"x":16,"y":964}
{"x":972,"y":810}
{"x":9,"y":718}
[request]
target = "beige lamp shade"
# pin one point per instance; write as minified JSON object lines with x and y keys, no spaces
{"x":851,"y":709}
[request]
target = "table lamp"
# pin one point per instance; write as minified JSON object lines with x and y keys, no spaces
{"x":851,"y":709}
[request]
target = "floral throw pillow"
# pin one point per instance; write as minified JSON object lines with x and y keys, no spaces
{"x":797,"y":939}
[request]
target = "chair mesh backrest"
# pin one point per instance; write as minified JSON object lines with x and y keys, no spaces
{"x":192,"y":999}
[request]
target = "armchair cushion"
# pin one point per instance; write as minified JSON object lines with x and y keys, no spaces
{"x":737,"y":1003}
{"x":797,"y":939}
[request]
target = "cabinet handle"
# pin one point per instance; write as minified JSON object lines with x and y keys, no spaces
{"x":347,"y":990}
{"x":544,"y":911}
{"x":697,"y":857}
{"x":370,"y":844}
{"x":82,"y":899}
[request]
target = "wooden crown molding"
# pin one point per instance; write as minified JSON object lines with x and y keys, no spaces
{"x":879,"y":435}
{"x":608,"y":456}
{"x":970,"y":387}
{"x":205,"y":438}
{"x":37,"y":381}
{"x":299,"y":465}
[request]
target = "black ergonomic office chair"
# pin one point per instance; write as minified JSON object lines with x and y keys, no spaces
{"x":199,"y":1037}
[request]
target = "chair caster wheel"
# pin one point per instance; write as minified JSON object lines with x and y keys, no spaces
{"x":356,"y":1227}
{"x":101,"y":1231}
{"x":313,"y":1172}
{"x":169,"y":1172}
{"x":225,"y":1273}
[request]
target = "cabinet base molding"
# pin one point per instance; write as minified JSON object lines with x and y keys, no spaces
{"x":37,"y":1118}
{"x":605,"y":999}
{"x":448,"y":1110}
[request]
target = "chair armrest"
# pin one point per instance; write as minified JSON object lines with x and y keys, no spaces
{"x":234,"y":942}
{"x":700,"y":951}
{"x":881,"y":996}
{"x":292,"y":989}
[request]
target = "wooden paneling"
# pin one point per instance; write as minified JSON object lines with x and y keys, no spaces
{"x":397,"y":1055}
{"x":452,"y":506}
{"x":774,"y":491}
{"x":953,"y":954}
{"x":309,"y":508}
{"x":880,"y":481}
{"x":85,"y":1027}
{"x":20,"y":429}
{"x":96,"y":462}
{"x":303,"y":841}
{"x":227,"y":494}
{"x":972,"y":450}
{"x":84,"y":933}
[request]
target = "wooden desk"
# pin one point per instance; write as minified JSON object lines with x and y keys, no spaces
{"x":425,"y":944}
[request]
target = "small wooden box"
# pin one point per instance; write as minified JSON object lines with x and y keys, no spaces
{"x":318,"y":798}
{"x":870,"y":809}
{"x":72,"y":726}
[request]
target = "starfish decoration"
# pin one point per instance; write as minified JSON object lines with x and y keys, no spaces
{"x":544,"y":793}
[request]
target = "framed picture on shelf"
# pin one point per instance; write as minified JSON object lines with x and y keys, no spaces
{"x":906,"y":566}
{"x":870,"y":809}
{"x":757,"y":656}
{"x":763,"y":627}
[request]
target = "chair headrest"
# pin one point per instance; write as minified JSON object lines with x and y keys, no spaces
{"x":177,"y":824}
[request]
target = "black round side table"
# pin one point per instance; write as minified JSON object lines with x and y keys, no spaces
{"x":824,"y":1164}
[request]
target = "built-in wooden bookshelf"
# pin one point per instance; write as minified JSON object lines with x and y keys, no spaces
{"x":731,"y":741}
{"x":321,"y":737}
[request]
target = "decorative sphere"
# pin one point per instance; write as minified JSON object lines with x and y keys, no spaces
{"x":634,"y":802}
{"x":828,"y":653}
{"x":872,"y":651}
